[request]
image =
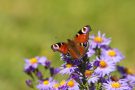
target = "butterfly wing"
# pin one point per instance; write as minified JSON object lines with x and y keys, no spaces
{"x":74,"y":49}
{"x":83,"y":35}
{"x":60,"y":47}
{"x":81,"y":42}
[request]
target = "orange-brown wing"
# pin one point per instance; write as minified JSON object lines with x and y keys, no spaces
{"x":60,"y":47}
{"x":78,"y":53}
{"x":75,"y":50}
{"x":83,"y":35}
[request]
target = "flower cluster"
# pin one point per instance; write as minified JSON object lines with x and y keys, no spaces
{"x":95,"y":70}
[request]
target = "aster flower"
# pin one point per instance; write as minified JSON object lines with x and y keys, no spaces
{"x":76,"y":77}
{"x":45,"y":84}
{"x":90,"y":52}
{"x":39,"y":75}
{"x":116,"y":85}
{"x":99,"y":40}
{"x":92,"y":78}
{"x":113,"y":54}
{"x":67,"y":69}
{"x":31,"y":64}
{"x":122,"y":70}
{"x":55,"y":86}
{"x":105,"y":67}
{"x":63,"y":85}
{"x":43,"y":61}
{"x":131,"y":80}
{"x":54,"y":71}
{"x":72,"y":85}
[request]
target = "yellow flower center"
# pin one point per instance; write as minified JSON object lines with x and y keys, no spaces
{"x":56,"y":85}
{"x":102,"y":64}
{"x":68,"y":65}
{"x":115,"y":84}
{"x":63,"y":82}
{"x":129,"y":71}
{"x":71,"y":83}
{"x":88,"y":73}
{"x":46,"y":82}
{"x":33,"y":60}
{"x":98,"y":39}
{"x":111,"y":53}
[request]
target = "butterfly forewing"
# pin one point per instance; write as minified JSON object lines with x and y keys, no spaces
{"x":60,"y":47}
{"x":83,"y":35}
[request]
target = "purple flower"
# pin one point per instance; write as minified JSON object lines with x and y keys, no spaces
{"x":91,"y":76}
{"x":113,"y":54}
{"x":121,"y":69}
{"x":131,"y":80}
{"x":116,"y":85}
{"x":99,"y":40}
{"x":90,"y":51}
{"x":39,"y":75}
{"x":43,"y":61}
{"x":55,"y":86}
{"x":67,"y":69}
{"x":63,"y":85}
{"x":105,"y":67}
{"x":31,"y":64}
{"x":75,"y":76}
{"x":96,"y":63}
{"x":46,"y":84}
{"x":54,"y":71}
{"x":93,"y":79}
{"x":72,"y":85}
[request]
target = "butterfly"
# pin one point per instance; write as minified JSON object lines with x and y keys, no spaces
{"x":77,"y":47}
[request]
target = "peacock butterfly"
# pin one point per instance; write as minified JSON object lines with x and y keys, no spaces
{"x":77,"y":47}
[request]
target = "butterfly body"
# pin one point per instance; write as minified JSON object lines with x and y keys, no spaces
{"x":77,"y":47}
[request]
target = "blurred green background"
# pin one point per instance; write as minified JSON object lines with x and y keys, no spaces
{"x":29,"y":27}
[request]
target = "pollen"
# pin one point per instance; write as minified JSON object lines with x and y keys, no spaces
{"x":63,"y":82}
{"x":98,"y":39}
{"x":88,"y":73}
{"x":115,"y":85}
{"x":111,"y":53}
{"x":68,"y":65}
{"x":102,"y":64}
{"x":56,"y":85}
{"x":46,"y":82}
{"x":71,"y":83}
{"x":33,"y":60}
